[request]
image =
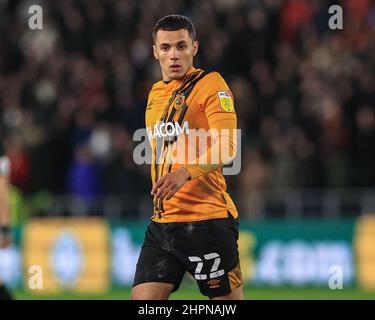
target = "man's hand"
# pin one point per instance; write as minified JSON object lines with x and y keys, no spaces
{"x":169,"y":184}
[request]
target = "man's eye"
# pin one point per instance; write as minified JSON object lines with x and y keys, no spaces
{"x":164,"y":48}
{"x":182,"y":46}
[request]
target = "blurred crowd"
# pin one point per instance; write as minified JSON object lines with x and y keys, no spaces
{"x":72,"y":94}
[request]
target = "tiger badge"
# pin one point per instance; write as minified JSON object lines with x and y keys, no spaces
{"x":179,"y":101}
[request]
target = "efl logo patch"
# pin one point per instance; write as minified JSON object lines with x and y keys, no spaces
{"x":226,"y":101}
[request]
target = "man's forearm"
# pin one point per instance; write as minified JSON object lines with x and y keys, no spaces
{"x":222,"y":151}
{"x":205,"y":163}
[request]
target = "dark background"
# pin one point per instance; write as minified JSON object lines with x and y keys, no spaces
{"x":72,"y":95}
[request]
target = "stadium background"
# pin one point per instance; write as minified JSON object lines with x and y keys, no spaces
{"x":72,"y":95}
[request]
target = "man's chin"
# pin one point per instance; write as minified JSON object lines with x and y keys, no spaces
{"x":176,"y":75}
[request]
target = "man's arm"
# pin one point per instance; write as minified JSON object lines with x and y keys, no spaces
{"x":223,"y":146}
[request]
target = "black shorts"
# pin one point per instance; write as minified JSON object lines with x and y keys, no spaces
{"x":206,"y":249}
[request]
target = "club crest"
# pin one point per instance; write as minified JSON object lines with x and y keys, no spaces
{"x":179,"y":101}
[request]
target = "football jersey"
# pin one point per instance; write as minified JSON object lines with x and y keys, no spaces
{"x":174,"y":110}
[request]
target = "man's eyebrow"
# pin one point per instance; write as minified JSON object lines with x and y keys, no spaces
{"x":181,"y":42}
{"x":169,"y":44}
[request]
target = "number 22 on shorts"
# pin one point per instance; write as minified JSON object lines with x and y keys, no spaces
{"x":214,"y":273}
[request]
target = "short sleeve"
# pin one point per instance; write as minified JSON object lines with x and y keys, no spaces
{"x":216,"y":96}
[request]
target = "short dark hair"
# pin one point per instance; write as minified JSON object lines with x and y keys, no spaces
{"x":174,"y":22}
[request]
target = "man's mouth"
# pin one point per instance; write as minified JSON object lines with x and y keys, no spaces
{"x":175,"y":67}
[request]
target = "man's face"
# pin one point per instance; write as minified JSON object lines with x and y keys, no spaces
{"x":175,"y":51}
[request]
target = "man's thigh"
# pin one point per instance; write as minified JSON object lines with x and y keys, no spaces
{"x":156,"y":264}
{"x":152,"y":291}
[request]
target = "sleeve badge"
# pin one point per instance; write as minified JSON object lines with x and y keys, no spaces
{"x":226,"y":101}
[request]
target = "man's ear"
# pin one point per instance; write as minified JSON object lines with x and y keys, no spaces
{"x":155,"y":52}
{"x":195,"y":47}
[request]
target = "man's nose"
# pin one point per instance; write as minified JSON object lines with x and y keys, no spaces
{"x":174,"y":54}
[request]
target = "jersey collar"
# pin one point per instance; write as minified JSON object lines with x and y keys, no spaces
{"x":179,"y":81}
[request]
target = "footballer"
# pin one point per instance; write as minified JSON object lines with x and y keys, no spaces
{"x":194,"y":227}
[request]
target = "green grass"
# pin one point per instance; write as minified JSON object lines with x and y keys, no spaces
{"x":251,"y":293}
